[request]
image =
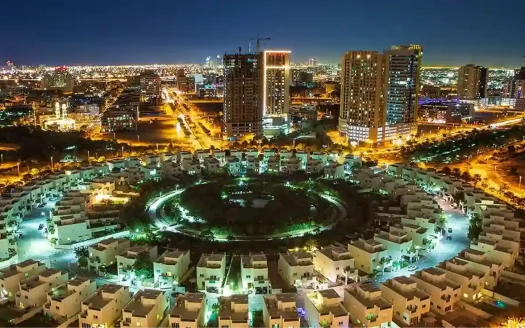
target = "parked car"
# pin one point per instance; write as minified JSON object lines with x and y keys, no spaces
{"x":449,"y":230}
{"x":40,"y":226}
{"x":412,"y":268}
{"x":449,"y":237}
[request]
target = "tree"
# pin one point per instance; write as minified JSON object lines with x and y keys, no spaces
{"x":475,"y":228}
{"x":143,"y":266}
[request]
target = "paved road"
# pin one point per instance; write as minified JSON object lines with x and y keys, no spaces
{"x":445,"y":249}
{"x":34,"y":245}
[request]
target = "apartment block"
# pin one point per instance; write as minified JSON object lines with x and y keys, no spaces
{"x":104,"y":253}
{"x":171,"y":267}
{"x":335,"y":263}
{"x":324,"y":309}
{"x":147,"y":308}
{"x":409,"y":302}
{"x":369,"y":255}
{"x":233,"y":311}
{"x":211,"y":271}
{"x":188,"y":311}
{"x":254,"y":273}
{"x":104,"y":307}
{"x":367,"y":306}
{"x":65,"y":301}
{"x":280,"y":310}
{"x":444,"y":292}
{"x":296,"y":268}
{"x":33,"y":290}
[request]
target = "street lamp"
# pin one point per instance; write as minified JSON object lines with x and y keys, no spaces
{"x":18,"y":168}
{"x":138,"y":138}
{"x":520,"y":182}
{"x":52,"y":168}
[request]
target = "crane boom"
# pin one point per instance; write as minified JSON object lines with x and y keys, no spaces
{"x":258,"y":39}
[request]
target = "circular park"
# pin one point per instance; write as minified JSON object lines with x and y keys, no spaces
{"x":248,"y":209}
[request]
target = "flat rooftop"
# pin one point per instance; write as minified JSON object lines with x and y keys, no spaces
{"x":335,"y":308}
{"x":188,"y":313}
{"x":408,"y":294}
{"x":271,"y":302}
{"x":205,"y":258}
{"x":227,"y":309}
{"x":137,"y":307}
{"x":298,"y":259}
{"x":99,"y":300}
{"x":369,"y":303}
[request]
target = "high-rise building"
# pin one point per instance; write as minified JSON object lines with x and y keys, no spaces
{"x":276,"y":91}
{"x":312,"y":61}
{"x":515,"y":87}
{"x":60,"y":79}
{"x":150,"y":87}
{"x":472,"y":81}
{"x":242,"y":102}
{"x":379,"y":94}
{"x":483,"y":81}
{"x":362,"y":101}
{"x":402,"y":66}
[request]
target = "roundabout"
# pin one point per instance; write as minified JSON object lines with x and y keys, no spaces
{"x":248,"y":209}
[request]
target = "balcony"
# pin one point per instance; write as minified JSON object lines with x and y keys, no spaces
{"x":446,"y":298}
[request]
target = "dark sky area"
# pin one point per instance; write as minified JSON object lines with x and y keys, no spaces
{"x":69,"y":32}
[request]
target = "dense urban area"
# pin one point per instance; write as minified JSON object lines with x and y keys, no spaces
{"x":254,"y":191}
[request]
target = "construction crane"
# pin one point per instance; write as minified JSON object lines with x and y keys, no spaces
{"x":258,"y":39}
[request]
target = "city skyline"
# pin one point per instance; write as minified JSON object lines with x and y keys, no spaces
{"x":67,"y":35}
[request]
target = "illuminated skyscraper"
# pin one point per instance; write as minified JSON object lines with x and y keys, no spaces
{"x":472,"y":82}
{"x":60,"y":79}
{"x":242,"y":102}
{"x":362,"y":102}
{"x":402,"y":66}
{"x":379,"y":94}
{"x":276,"y":91}
{"x":150,"y":87}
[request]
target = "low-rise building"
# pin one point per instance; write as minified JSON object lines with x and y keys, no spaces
{"x":409,"y":302}
{"x":233,"y":165}
{"x":212,"y":165}
{"x":324,"y":309}
{"x":369,"y":255}
{"x":233,"y":311}
{"x":171,"y":267}
{"x":479,"y":261}
{"x":334,"y":170}
{"x":367,"y":306}
{"x":33,"y":290}
{"x":335,"y":263}
{"x":280,"y":310}
{"x":254,"y":273}
{"x":64,"y":302}
{"x":314,"y":166}
{"x":104,"y":253}
{"x":396,"y":242}
{"x":147,"y":308}
{"x":296,"y":268}
{"x":444,"y":292}
{"x":104,"y":307}
{"x":11,"y":276}
{"x":126,"y":260}
{"x":211,"y":271}
{"x":188,"y":311}
{"x":471,"y":281}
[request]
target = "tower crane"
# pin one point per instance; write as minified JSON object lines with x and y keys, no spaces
{"x":258,"y":39}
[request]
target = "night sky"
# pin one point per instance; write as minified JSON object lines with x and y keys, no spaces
{"x":68,"y":32}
